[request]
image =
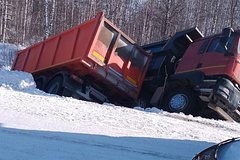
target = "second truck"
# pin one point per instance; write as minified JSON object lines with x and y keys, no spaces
{"x":95,"y":61}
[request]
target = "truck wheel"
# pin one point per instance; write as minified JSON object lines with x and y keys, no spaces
{"x":40,"y":82}
{"x":181,"y":100}
{"x":55,"y":86}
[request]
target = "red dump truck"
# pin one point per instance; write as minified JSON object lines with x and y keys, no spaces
{"x":95,"y":61}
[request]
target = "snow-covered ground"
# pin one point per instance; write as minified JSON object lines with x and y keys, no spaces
{"x":36,"y":125}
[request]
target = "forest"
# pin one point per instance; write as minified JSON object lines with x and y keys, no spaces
{"x":26,"y":22}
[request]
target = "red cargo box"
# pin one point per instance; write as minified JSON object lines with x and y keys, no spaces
{"x":95,"y":49}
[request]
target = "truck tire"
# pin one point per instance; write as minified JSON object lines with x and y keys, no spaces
{"x":181,"y":100}
{"x":40,"y":82}
{"x":55,"y":86}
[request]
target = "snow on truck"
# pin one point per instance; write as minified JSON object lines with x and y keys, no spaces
{"x":95,"y":61}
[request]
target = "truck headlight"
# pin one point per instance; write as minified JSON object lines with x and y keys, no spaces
{"x":224,"y":91}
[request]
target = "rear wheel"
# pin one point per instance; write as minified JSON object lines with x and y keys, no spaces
{"x":55,"y":86}
{"x":40,"y":82}
{"x":181,"y":100}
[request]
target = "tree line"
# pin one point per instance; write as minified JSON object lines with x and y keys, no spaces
{"x":26,"y":22}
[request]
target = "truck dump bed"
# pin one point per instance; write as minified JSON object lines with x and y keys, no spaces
{"x":94,"y":49}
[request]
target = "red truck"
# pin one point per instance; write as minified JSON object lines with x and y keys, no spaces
{"x":95,"y":61}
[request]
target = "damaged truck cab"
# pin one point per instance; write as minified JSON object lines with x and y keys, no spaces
{"x":216,"y":60}
{"x":195,"y":71}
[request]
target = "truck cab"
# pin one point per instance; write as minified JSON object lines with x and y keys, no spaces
{"x":214,"y":55}
{"x":217,"y":58}
{"x":190,"y":72}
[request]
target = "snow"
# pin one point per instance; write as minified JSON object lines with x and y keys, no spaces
{"x":37,"y":125}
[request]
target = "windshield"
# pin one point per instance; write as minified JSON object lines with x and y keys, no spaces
{"x":217,"y":46}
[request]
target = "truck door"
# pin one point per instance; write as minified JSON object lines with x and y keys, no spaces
{"x":214,"y":60}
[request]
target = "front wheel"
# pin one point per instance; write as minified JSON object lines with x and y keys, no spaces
{"x":181,"y":100}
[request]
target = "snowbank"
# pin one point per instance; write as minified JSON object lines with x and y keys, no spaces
{"x":18,"y":81}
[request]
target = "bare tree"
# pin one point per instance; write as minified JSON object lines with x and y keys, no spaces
{"x":29,"y":21}
{"x":233,"y":9}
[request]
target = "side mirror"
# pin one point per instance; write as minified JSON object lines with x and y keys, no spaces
{"x":226,"y":150}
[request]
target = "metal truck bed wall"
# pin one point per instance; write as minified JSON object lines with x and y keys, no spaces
{"x":94,"y":49}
